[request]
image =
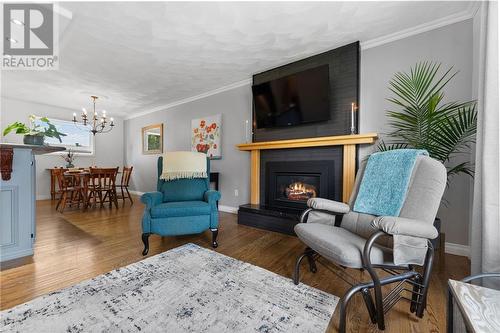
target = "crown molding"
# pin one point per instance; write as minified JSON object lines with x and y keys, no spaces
{"x":467,"y":14}
{"x":193,"y":98}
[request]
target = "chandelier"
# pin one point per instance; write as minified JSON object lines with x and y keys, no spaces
{"x":95,"y":123}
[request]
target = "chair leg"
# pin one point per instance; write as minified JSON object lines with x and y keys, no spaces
{"x":380,"y":305}
{"x":344,"y":301}
{"x":79,"y":197}
{"x":310,"y":259}
{"x":123,"y":195}
{"x":115,"y":197}
{"x":58,"y":202}
{"x":145,"y":240}
{"x":308,"y":252}
{"x":425,"y":281}
{"x":415,"y":292}
{"x":106,"y":198}
{"x":296,"y":272}
{"x":129,"y":197}
{"x":90,"y":198}
{"x":215,"y":232}
{"x":63,"y":202}
{"x":367,"y":297}
{"x":377,"y":287}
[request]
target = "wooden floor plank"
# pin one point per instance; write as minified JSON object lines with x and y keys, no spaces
{"x":76,"y":246}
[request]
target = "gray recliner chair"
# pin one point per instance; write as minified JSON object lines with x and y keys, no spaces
{"x":393,"y":244}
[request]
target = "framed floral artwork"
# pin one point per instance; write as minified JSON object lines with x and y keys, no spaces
{"x":206,"y":136}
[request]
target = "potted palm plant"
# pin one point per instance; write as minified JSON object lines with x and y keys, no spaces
{"x":34,"y":134}
{"x":425,"y":121}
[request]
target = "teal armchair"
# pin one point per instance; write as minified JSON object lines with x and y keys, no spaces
{"x":180,"y":207}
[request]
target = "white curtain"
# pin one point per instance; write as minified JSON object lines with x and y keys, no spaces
{"x":485,"y":231}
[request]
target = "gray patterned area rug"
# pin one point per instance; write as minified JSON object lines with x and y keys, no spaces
{"x":186,"y":289}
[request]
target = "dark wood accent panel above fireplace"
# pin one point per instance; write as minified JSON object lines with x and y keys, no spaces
{"x":343,"y":65}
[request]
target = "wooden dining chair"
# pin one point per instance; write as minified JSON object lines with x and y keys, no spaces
{"x":102,"y":186}
{"x":127,"y":172}
{"x":58,"y":191}
{"x":70,"y":192}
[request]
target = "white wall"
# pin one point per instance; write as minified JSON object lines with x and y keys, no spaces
{"x":235,"y":107}
{"x":108,"y":146}
{"x":451,"y":45}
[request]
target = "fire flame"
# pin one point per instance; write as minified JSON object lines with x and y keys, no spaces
{"x":300,"y":191}
{"x":298,"y":187}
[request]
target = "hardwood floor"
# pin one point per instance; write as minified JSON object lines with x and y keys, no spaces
{"x":75,"y":246}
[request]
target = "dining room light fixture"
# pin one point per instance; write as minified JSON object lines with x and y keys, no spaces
{"x":94,"y":123}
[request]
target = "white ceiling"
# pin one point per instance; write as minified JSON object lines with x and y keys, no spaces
{"x":145,"y":55}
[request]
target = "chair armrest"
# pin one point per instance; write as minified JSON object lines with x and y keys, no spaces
{"x":211,"y":196}
{"x":151,"y":199}
{"x":403,"y":226}
{"x":328,"y":205}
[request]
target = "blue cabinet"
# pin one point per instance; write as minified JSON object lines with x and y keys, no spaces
{"x":17,"y":202}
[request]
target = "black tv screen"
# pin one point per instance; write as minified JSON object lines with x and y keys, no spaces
{"x":296,"y":99}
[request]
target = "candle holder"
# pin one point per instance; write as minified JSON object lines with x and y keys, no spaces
{"x":247,"y":132}
{"x":353,"y":118}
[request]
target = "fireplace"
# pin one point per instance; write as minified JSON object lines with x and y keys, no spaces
{"x":287,"y":179}
{"x":289,"y":184}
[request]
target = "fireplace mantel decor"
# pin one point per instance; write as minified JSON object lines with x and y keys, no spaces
{"x":348,"y":142}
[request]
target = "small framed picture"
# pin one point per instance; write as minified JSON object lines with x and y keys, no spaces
{"x":152,"y":139}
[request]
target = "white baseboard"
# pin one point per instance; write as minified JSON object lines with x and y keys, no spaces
{"x":228,"y":209}
{"x":16,"y":254}
{"x":457,"y":249}
{"x":136,"y":192}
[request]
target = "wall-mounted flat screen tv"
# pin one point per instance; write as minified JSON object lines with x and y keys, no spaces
{"x":300,"y":98}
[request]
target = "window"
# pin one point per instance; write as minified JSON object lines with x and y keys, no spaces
{"x":78,"y":139}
